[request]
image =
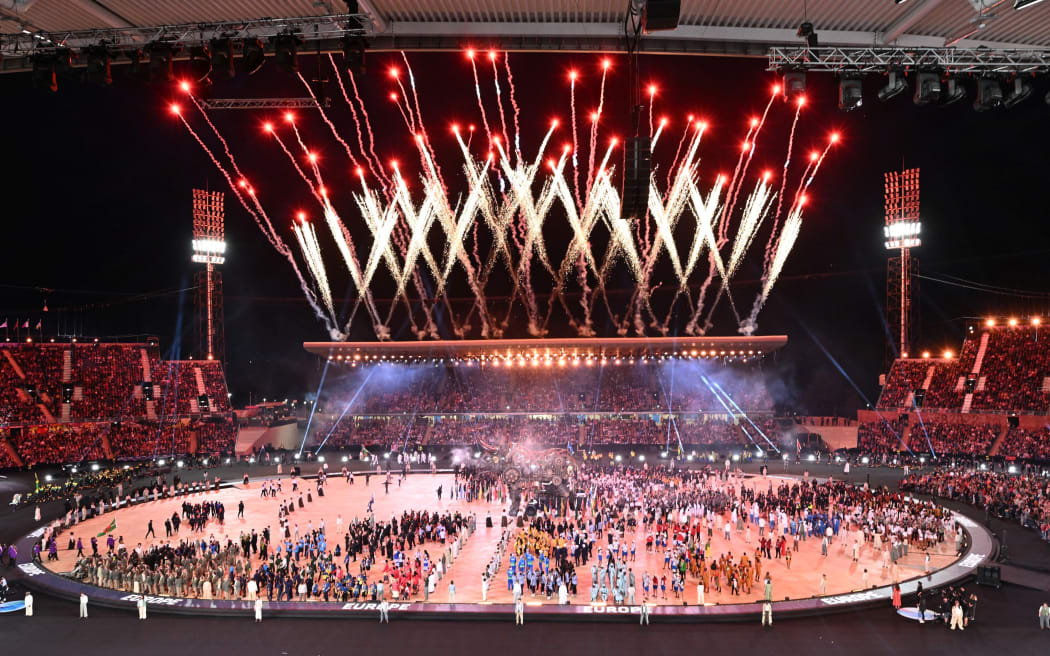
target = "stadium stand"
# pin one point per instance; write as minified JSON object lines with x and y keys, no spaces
{"x":1026,"y":443}
{"x":1000,"y":369}
{"x":64,"y":403}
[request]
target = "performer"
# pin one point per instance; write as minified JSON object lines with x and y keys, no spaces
{"x":142,"y":607}
{"x":29,"y":604}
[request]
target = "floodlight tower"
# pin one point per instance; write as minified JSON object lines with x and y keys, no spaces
{"x":209,"y":249}
{"x":902,"y":231}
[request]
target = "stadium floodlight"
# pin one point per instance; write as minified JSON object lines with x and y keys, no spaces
{"x":44,"y":76}
{"x":989,"y":94}
{"x":354,"y":53}
{"x":253,"y":55}
{"x":222,"y":56}
{"x":954,"y":93}
{"x":895,"y":86}
{"x":903,"y":234}
{"x":927,"y":88}
{"x":200,"y":63}
{"x":1021,"y":91}
{"x":851,"y":93}
{"x":161,"y":57}
{"x":793,"y":84}
{"x":98,"y":69}
{"x":285,"y":52}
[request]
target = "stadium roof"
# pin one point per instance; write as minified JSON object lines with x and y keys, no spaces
{"x":736,"y":348}
{"x":741,"y":27}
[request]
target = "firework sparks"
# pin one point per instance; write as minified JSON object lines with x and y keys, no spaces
{"x":514,"y":198}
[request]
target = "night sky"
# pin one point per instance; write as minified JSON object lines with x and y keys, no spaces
{"x":97,"y":221}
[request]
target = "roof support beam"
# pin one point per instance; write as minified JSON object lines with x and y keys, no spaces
{"x":379,"y":23}
{"x":901,"y":25}
{"x":103,"y":14}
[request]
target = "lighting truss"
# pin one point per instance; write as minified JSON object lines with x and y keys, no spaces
{"x":879,"y":60}
{"x":310,"y":28}
{"x":264,"y":103}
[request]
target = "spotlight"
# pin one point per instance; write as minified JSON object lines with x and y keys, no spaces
{"x":955,"y":92}
{"x":222,"y":56}
{"x":98,"y":70}
{"x":1023,"y":4}
{"x":285,"y":52}
{"x":805,"y":31}
{"x":160,"y":61}
{"x":895,"y":86}
{"x":200,"y":63}
{"x":44,"y":76}
{"x":927,"y":88}
{"x":1021,"y":91}
{"x":253,"y":56}
{"x":989,"y":94}
{"x":794,"y":84}
{"x":354,"y":54}
{"x":851,"y":93}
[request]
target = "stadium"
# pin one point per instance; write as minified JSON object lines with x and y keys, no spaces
{"x":559,"y":317}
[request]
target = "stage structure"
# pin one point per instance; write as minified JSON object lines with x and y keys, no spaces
{"x":209,"y":249}
{"x":902,"y":232}
{"x":573,"y":351}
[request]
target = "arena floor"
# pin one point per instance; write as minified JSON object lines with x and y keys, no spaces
{"x":343,"y":502}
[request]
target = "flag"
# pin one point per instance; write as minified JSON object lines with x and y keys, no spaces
{"x":109,"y":529}
{"x":798,"y":446}
{"x":26,"y":324}
{"x":38,"y":321}
{"x":4,"y":324}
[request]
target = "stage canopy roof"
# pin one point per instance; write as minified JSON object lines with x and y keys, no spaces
{"x":551,"y":350}
{"x":735,"y":27}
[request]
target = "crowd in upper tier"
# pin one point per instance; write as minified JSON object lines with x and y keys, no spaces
{"x":399,"y":432}
{"x":69,"y":402}
{"x":562,"y":386}
{"x":45,"y":383}
{"x":999,"y":369}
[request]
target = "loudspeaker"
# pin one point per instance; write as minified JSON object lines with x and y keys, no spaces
{"x":989,"y":575}
{"x":661,"y":15}
{"x":636,"y":167}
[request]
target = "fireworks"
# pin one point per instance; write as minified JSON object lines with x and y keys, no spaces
{"x":514,"y":196}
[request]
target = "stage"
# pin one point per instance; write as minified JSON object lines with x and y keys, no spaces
{"x":795,"y":589}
